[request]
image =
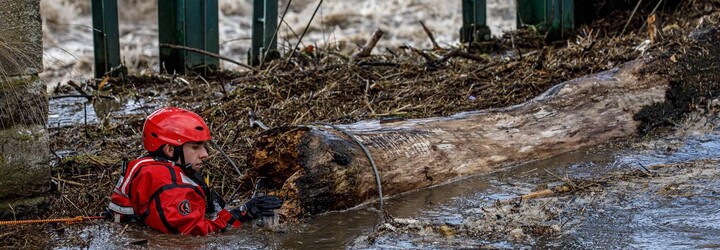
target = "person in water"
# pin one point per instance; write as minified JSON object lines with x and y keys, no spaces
{"x":165,"y":191}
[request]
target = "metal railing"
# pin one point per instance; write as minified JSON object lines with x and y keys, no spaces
{"x":193,"y":24}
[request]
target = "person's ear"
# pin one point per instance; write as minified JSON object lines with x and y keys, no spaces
{"x":168,"y":150}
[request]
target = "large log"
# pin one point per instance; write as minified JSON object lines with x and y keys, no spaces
{"x":319,"y":169}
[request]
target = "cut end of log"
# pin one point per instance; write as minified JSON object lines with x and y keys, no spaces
{"x":314,"y":170}
{"x":274,"y":160}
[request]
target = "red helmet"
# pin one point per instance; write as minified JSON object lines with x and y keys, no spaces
{"x":174,"y":126}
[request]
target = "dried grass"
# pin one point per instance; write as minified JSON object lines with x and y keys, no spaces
{"x":15,"y":87}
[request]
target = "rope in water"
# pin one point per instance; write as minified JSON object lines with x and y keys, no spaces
{"x":65,"y":220}
{"x":367,"y":153}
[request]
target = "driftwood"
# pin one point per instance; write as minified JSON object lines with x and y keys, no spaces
{"x":369,"y":45}
{"x":173,"y":46}
{"x":319,"y":169}
{"x":430,"y":35}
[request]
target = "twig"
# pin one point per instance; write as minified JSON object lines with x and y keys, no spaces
{"x":291,"y":30}
{"x":391,"y":52}
{"x":292,"y":52}
{"x":123,"y":230}
{"x":77,"y":88}
{"x":378,"y":63}
{"x":643,"y":167}
{"x":652,"y":12}
{"x":538,"y":194}
{"x":430,"y":35}
{"x":566,"y":180}
{"x":631,"y":16}
{"x":367,"y":101}
{"x":166,"y":45}
{"x":338,"y":54}
{"x":232,"y":163}
{"x":68,"y":182}
{"x":73,"y":204}
{"x":365,"y":50}
{"x":427,"y":57}
{"x":459,"y":53}
{"x":78,"y":96}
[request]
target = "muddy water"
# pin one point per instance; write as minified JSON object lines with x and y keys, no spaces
{"x":676,"y":208}
{"x":70,"y":111}
{"x":683,"y":213}
{"x":342,"y":229}
{"x":73,"y":111}
{"x":451,"y":204}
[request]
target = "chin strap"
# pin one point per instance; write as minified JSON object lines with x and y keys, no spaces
{"x":178,"y":154}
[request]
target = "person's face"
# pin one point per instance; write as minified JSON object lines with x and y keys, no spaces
{"x":195,"y":154}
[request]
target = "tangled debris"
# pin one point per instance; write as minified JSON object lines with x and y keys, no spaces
{"x":320,"y":85}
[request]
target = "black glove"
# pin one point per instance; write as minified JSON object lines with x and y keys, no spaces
{"x":256,"y":207}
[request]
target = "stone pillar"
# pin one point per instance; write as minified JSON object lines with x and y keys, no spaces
{"x":24,"y":150}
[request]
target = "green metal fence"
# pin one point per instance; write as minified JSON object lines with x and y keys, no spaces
{"x":264,"y":24}
{"x":189,"y":26}
{"x":106,"y":38}
{"x":182,"y":24}
{"x":554,"y":16}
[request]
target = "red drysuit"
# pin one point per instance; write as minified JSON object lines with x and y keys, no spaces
{"x":159,"y":194}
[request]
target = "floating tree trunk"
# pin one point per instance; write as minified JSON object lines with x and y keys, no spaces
{"x":319,"y":169}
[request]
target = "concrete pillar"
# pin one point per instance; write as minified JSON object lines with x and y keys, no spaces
{"x":24,"y":150}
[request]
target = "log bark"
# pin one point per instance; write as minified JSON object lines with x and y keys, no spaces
{"x":319,"y":169}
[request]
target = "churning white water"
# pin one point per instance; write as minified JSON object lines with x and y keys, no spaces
{"x":339,"y":24}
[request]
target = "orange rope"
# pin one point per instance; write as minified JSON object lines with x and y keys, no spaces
{"x":66,"y":220}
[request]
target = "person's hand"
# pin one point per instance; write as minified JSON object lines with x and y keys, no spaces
{"x":256,"y":207}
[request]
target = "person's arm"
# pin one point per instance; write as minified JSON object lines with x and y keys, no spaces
{"x":182,"y":210}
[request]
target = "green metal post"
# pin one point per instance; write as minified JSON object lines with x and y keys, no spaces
{"x":257,"y":33}
{"x":106,"y":38}
{"x":270,"y":23}
{"x":189,"y":23}
{"x":212,"y":33}
{"x":194,"y":32}
{"x":530,"y":12}
{"x":567,"y":16}
{"x":265,"y":13}
{"x":474,"y":27}
{"x":171,"y":23}
{"x":553,"y":16}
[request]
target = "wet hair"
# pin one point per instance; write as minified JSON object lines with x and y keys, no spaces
{"x":160,"y":154}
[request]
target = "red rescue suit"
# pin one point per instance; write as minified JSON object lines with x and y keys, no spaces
{"x":159,"y":194}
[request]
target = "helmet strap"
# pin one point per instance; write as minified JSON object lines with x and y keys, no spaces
{"x":178,"y":154}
